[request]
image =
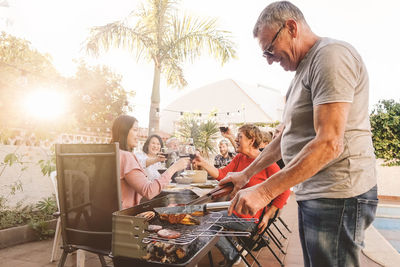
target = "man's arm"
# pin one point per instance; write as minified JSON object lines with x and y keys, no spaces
{"x":329,"y":123}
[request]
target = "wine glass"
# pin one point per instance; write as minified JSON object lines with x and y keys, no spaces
{"x":191,"y":151}
{"x":223,"y":128}
{"x":164,"y":152}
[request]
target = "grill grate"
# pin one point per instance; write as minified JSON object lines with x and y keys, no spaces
{"x":190,"y":233}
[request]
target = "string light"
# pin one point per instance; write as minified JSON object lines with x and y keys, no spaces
{"x":200,"y":114}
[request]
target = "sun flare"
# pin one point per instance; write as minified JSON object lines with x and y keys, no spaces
{"x":45,"y":104}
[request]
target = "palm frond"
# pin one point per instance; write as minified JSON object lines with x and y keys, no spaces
{"x":192,"y":35}
{"x":174,"y":73}
{"x":208,"y":135}
{"x":119,"y":35}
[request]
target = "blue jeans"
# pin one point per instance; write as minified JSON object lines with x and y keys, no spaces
{"x":332,"y":230}
{"x":230,"y":253}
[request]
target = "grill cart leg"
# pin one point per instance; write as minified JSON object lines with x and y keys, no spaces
{"x":66,"y":251}
{"x":210,"y":259}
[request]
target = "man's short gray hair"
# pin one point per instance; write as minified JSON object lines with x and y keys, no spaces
{"x":276,"y":14}
{"x":170,"y":140}
{"x":224,"y":141}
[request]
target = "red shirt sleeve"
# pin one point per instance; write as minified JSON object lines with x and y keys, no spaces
{"x":272,"y":169}
{"x":280,"y":200}
{"x":231,"y":167}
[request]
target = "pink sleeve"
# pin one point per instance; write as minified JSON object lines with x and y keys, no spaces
{"x":136,"y":178}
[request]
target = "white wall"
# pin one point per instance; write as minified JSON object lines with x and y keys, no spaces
{"x":388,"y":180}
{"x":35,"y":185}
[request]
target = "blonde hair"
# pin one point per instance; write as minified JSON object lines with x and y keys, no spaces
{"x":251,"y":131}
{"x":266,"y":137}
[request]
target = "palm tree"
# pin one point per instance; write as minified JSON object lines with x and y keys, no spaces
{"x":203,"y":132}
{"x":161,"y":36}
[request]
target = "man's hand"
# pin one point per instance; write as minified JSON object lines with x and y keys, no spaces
{"x":239,"y":179}
{"x":250,"y":200}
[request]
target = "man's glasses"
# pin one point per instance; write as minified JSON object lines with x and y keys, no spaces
{"x":268,"y":51}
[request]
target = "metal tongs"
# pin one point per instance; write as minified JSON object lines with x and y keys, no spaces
{"x":196,"y":206}
{"x":218,"y":192}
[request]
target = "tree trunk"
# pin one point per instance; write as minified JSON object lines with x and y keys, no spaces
{"x":154,"y":114}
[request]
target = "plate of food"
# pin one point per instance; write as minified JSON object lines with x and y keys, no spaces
{"x":205,"y":185}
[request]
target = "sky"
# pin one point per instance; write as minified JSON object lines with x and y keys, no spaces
{"x":59,"y":27}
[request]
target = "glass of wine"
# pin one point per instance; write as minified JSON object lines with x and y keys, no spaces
{"x":164,"y":152}
{"x":223,"y":129}
{"x":190,"y":150}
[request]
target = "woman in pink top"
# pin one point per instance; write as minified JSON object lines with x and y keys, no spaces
{"x":134,"y":182}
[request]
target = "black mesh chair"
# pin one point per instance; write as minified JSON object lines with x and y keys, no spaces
{"x":89,"y":192}
{"x":256,"y":241}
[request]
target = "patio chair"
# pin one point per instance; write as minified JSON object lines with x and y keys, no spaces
{"x":256,"y":241}
{"x":274,"y":237}
{"x":57,"y":236}
{"x":89,"y":192}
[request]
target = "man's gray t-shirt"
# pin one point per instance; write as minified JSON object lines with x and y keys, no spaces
{"x":332,"y":71}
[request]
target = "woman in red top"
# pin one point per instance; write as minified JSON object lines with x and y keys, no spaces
{"x":248,"y":140}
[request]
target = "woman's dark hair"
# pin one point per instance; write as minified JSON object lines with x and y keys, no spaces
{"x":147,"y":143}
{"x":120,"y":130}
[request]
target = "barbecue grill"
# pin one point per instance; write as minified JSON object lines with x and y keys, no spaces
{"x":131,"y":240}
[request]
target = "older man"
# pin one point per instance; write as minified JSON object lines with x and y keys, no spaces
{"x":325,"y":144}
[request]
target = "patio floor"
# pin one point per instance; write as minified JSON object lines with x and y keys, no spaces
{"x":37,"y":254}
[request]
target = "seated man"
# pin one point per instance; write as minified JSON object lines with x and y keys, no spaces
{"x":223,"y":159}
{"x":173,"y":149}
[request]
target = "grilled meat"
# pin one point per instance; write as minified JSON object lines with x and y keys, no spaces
{"x":167,"y":233}
{"x":154,"y":228}
{"x":186,"y":219}
{"x":148,"y":215}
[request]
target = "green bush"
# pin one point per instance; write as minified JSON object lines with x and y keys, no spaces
{"x":36,"y":216}
{"x":385,"y":123}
